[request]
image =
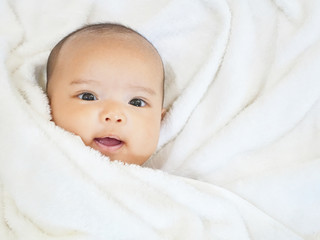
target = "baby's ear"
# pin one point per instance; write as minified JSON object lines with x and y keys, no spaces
{"x":163,"y":113}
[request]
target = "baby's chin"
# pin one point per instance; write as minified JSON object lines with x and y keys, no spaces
{"x":128,"y":159}
{"x":125,"y":157}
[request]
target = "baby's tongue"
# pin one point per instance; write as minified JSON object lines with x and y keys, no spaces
{"x":109,"y":141}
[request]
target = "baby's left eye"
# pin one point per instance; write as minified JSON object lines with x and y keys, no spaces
{"x":137,"y":102}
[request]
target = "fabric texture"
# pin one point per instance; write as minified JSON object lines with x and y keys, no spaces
{"x":239,"y":151}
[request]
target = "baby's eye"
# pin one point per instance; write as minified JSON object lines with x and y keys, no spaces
{"x":87,"y":96}
{"x":137,"y":102}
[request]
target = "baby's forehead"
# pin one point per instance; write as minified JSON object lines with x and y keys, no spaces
{"x":126,"y":38}
{"x":123,"y":40}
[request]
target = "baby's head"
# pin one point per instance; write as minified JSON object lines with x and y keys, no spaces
{"x":105,"y":84}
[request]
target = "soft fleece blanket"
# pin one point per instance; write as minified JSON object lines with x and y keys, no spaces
{"x":239,"y":153}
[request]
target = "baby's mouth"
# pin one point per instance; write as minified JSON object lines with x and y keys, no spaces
{"x":109,"y":141}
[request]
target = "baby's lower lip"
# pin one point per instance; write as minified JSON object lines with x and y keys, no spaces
{"x":108,"y":144}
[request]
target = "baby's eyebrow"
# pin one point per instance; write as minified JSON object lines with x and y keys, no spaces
{"x":83,"y":81}
{"x":144,"y":89}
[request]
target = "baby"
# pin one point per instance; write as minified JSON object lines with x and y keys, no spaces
{"x":105,"y":83}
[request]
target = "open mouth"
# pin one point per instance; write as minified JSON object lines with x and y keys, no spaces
{"x":109,"y":143}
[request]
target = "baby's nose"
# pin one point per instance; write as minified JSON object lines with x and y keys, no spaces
{"x":113,"y":112}
{"x":115,"y":117}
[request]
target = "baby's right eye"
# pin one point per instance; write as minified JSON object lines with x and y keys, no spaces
{"x":87,"y":96}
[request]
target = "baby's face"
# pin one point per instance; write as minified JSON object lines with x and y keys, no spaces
{"x":109,"y":92}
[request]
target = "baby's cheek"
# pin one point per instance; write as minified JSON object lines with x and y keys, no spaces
{"x":152,"y":136}
{"x":69,"y":119}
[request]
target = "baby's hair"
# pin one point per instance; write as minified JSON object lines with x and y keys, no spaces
{"x":99,"y":28}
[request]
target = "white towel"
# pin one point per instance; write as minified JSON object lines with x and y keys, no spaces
{"x":239,"y":153}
